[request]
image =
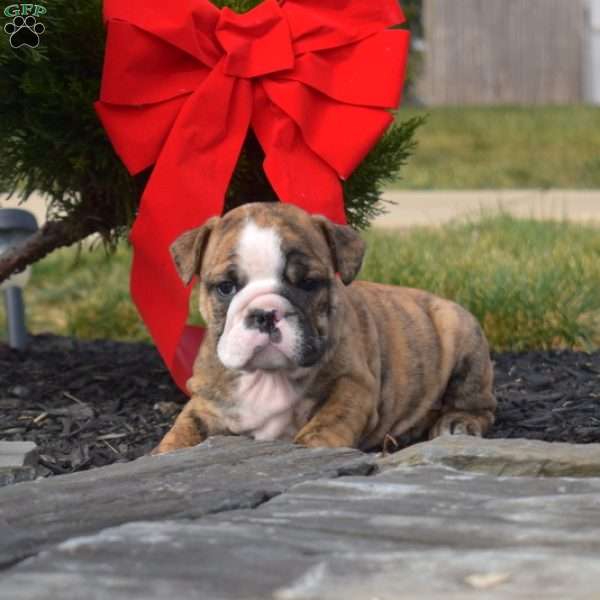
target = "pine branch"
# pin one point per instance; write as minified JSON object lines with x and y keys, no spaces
{"x":53,"y":142}
{"x":53,"y":235}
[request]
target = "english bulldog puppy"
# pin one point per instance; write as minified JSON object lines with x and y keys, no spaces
{"x":295,"y":350}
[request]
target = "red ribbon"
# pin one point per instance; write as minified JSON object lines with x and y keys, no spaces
{"x":182,"y":83}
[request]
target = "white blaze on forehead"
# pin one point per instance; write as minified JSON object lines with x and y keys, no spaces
{"x":259,"y":252}
{"x":261,"y":262}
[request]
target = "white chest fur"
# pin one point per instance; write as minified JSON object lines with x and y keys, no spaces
{"x":265,"y":406}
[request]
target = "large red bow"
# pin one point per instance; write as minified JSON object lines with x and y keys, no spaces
{"x":182,"y":83}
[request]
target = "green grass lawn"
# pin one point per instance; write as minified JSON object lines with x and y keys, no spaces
{"x":500,"y":147}
{"x":531,"y":284}
{"x":85,"y":294}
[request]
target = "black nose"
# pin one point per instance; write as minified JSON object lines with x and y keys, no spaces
{"x":263,"y":320}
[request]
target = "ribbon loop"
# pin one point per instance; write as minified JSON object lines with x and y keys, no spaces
{"x":256,"y":43}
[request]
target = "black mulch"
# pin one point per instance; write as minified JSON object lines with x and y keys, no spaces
{"x":88,"y":404}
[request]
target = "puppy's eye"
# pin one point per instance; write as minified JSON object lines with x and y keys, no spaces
{"x":226,"y":289}
{"x":309,"y":285}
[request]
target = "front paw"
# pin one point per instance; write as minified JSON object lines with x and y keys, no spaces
{"x":320,"y":439}
{"x":179,"y":437}
{"x":457,"y":423}
{"x":163,"y":448}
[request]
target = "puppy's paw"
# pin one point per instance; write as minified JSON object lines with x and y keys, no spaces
{"x":172,"y":441}
{"x":162,"y":449}
{"x":319,"y":439}
{"x":457,"y":423}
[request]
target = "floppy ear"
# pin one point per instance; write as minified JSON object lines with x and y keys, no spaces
{"x":346,"y":247}
{"x":188,"y":249}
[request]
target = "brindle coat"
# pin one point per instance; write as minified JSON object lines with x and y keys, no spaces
{"x":383,"y":359}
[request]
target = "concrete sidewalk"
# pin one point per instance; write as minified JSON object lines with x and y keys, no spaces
{"x":438,"y":207}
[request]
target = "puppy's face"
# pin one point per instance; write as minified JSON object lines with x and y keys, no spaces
{"x":268,"y":290}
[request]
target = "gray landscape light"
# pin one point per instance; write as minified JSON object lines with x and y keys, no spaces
{"x":16,"y":225}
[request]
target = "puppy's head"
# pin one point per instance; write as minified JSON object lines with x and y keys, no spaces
{"x":268,"y":282}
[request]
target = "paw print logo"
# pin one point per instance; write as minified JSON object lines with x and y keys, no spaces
{"x":24,"y":31}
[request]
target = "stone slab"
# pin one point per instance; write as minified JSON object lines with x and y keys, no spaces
{"x":18,"y":454}
{"x":224,"y":473}
{"x":10,"y":475}
{"x":410,"y":532}
{"x":18,"y":461}
{"x":514,"y":457}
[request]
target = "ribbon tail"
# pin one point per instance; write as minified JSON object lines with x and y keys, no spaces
{"x":186,"y":188}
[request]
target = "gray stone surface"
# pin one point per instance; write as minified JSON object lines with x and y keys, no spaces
{"x":502,"y":457}
{"x":421,"y":532}
{"x":10,"y":475}
{"x":18,"y":461}
{"x":235,"y":519}
{"x":222,"y":474}
{"x":18,"y":454}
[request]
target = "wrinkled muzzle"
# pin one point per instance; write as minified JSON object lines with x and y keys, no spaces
{"x":262,"y":330}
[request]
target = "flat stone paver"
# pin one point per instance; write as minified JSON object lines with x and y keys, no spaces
{"x":18,"y":454}
{"x":412,"y":532}
{"x":502,"y":457}
{"x":10,"y":475}
{"x":425,"y":531}
{"x":224,"y":473}
{"x":18,"y":461}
